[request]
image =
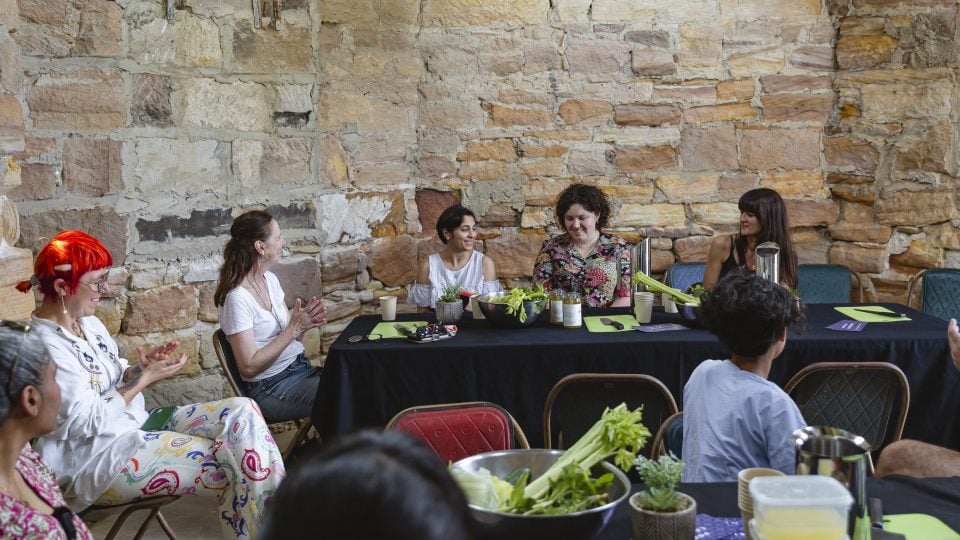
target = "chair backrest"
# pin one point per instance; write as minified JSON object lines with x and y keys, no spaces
{"x":577,"y":401}
{"x":669,"y":438}
{"x":941,"y":292}
{"x":870,"y":399}
{"x":458,"y":430}
{"x":823,"y":283}
{"x":228,"y":363}
{"x":682,"y":275}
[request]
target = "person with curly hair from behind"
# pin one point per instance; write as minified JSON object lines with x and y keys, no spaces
{"x":733,"y":417}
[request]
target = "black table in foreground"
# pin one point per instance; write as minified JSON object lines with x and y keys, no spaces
{"x":365,"y":384}
{"x":938,"y":497}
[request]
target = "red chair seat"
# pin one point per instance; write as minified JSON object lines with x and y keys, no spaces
{"x":455,"y":433}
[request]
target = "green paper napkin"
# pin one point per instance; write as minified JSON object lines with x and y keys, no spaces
{"x":389,"y":329}
{"x":594,"y":324}
{"x":919,"y":527}
{"x":854,"y":313}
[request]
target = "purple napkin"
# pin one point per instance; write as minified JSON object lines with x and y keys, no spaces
{"x":718,"y":528}
{"x":847,"y":325}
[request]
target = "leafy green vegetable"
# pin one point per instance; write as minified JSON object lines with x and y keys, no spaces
{"x":656,"y":286}
{"x":661,"y":477}
{"x":520,"y":295}
{"x":566,"y":487}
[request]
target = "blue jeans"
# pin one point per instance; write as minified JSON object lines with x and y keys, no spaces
{"x":288,"y":395}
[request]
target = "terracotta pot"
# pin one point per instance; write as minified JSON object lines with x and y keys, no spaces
{"x":449,"y":312}
{"x":649,"y":525}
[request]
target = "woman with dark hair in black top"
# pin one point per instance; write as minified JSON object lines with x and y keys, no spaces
{"x":763,"y":218}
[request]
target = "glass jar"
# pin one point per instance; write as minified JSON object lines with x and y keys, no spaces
{"x":572,"y":310}
{"x":556,"y":306}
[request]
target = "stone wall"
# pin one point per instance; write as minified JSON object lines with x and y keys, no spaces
{"x":357,"y":121}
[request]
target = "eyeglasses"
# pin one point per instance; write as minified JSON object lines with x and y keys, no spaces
{"x":364,"y":339}
{"x":16,"y":360}
{"x":99,"y":285}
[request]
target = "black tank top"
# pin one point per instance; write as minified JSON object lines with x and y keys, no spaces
{"x":730,"y":263}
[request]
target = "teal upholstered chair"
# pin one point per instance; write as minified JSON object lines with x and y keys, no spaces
{"x":940,"y":292}
{"x":825,"y":283}
{"x":682,"y":275}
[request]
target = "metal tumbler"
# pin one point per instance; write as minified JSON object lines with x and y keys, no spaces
{"x":768,"y":261}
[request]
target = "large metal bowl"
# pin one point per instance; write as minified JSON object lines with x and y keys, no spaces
{"x":577,"y":526}
{"x":497,"y":314}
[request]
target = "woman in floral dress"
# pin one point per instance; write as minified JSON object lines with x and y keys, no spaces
{"x":585,"y":259}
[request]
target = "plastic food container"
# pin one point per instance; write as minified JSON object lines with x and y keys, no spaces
{"x":800,"y":507}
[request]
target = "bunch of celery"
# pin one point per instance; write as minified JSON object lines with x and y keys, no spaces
{"x":566,"y":486}
{"x":516,"y":298}
{"x":658,"y":287}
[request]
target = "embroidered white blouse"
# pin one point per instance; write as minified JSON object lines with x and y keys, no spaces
{"x":97,"y":432}
{"x":470,"y":277}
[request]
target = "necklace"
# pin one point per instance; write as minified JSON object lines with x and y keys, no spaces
{"x":77,"y":330}
{"x":15,"y":493}
{"x":262,"y":298}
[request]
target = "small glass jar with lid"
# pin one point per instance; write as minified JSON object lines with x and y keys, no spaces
{"x":572,"y":310}
{"x":556,"y":306}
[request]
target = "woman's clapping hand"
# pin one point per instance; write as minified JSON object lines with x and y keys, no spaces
{"x":304,"y":317}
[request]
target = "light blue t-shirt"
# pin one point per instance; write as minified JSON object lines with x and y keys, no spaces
{"x":734,"y":419}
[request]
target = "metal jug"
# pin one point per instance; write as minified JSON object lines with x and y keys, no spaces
{"x":841,"y":455}
{"x":768,"y":261}
{"x":640,"y":262}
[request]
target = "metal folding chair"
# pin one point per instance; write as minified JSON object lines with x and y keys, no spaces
{"x":458,"y":430}
{"x":577,"y":401}
{"x":152,"y":505}
{"x":669,"y":437}
{"x":826,"y":283}
{"x":229,"y":366}
{"x":870,"y":399}
{"x":682,"y":275}
{"x":940,"y":295}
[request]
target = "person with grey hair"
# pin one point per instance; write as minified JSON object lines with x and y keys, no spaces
{"x":31,"y":505}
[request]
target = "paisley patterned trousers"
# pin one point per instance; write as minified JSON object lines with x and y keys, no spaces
{"x":221,"y":448}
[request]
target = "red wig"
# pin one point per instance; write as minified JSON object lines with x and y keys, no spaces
{"x":69,"y":256}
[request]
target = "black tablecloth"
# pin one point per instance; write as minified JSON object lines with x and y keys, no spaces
{"x":939,"y":497}
{"x":365,"y":384}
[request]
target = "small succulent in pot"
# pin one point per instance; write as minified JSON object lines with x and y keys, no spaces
{"x":449,"y":306}
{"x":450,"y":293}
{"x":660,"y":511}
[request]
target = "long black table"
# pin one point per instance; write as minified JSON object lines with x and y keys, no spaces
{"x":365,"y":384}
{"x":939,"y":497}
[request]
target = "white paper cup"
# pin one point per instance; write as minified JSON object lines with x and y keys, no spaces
{"x":643,"y":306}
{"x":669,"y":305}
{"x":475,"y":307}
{"x":388,"y":307}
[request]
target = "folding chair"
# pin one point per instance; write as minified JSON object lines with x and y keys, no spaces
{"x":870,"y":399}
{"x":458,"y":430}
{"x":153,"y":505}
{"x":682,"y":275}
{"x":577,"y":401}
{"x":669,"y":437}
{"x":229,"y":366}
{"x":940,"y":295}
{"x":826,"y":283}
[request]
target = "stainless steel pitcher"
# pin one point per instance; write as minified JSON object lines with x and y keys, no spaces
{"x":640,"y":261}
{"x":768,"y":261}
{"x":841,"y":455}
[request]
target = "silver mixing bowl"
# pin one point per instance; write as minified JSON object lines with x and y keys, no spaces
{"x":497,"y":314}
{"x":577,"y":526}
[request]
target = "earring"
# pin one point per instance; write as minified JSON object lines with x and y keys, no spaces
{"x":64,"y":304}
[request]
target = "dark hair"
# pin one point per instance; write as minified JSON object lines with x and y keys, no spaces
{"x":748,"y":312}
{"x":451,"y":218}
{"x":20,"y":345}
{"x":589,"y":197}
{"x":239,"y":255}
{"x":771,"y":213}
{"x":370,"y":485}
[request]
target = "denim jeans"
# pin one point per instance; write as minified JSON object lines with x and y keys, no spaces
{"x":288,"y":395}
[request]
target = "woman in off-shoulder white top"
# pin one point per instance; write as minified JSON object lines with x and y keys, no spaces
{"x":458,"y":263}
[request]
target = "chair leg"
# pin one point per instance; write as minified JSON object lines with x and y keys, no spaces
{"x":165,"y":526}
{"x":146,"y":524}
{"x":118,"y":523}
{"x":299,"y":438}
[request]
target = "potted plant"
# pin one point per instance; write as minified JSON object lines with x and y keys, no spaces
{"x":449,"y":306}
{"x":660,"y":511}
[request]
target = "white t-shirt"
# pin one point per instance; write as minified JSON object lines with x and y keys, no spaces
{"x":241,"y":311}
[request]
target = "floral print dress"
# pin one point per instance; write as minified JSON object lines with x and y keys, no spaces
{"x":20,"y":520}
{"x":602,"y":276}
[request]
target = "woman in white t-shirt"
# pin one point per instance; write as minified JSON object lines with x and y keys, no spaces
{"x":264,"y":336}
{"x":458,"y":263}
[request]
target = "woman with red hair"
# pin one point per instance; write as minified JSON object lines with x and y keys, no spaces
{"x":103,"y":449}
